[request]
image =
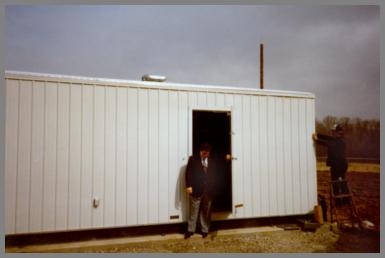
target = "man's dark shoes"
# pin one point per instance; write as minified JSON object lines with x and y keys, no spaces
{"x":188,"y":234}
{"x":204,"y":235}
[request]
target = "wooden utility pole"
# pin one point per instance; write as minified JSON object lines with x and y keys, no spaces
{"x":261,"y":65}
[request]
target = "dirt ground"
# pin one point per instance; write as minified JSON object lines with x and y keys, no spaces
{"x":365,"y":187}
{"x":323,"y":240}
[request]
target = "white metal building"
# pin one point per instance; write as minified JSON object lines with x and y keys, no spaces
{"x":86,"y":153}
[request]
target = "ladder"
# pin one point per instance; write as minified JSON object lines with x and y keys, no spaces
{"x":342,"y":208}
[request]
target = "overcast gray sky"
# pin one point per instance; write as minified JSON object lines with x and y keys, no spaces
{"x":332,"y":51}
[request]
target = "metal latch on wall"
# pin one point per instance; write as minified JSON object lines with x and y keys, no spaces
{"x":95,"y":202}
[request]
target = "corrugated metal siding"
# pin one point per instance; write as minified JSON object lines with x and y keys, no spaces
{"x":67,"y":143}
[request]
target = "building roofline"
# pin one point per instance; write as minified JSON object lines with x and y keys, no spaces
{"x":46,"y":77}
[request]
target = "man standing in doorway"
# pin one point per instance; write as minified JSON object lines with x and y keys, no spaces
{"x":200,"y":185}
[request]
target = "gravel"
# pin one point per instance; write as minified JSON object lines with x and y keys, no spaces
{"x":323,"y":240}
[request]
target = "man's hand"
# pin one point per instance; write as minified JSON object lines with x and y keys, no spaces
{"x":314,"y":136}
{"x":189,"y":190}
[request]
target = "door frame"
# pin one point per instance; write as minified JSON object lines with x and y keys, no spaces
{"x":190,"y":123}
{"x":191,"y":109}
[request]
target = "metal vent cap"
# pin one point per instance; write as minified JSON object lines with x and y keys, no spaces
{"x":153,"y":78}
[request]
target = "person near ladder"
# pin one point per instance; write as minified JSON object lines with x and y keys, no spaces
{"x":200,"y":185}
{"x":336,"y":158}
{"x":336,"y":149}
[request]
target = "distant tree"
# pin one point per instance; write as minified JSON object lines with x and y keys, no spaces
{"x":329,"y":121}
{"x":345,"y":122}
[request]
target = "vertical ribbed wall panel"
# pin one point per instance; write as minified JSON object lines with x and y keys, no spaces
{"x":50,"y":156}
{"x":229,"y":102}
{"x":153,"y":186}
{"x":211,"y":100}
{"x":219,"y":99}
{"x":192,"y":102}
{"x":202,"y":99}
{"x":63,"y":152}
{"x":74,"y":157}
{"x":110,"y":157}
{"x":287,"y":158}
{"x":142,"y":157}
{"x":173,"y":171}
{"x":37,"y":152}
{"x":181,"y":200}
{"x":271,"y":154}
{"x":121,"y":157}
{"x":23,"y":157}
{"x":132,"y":156}
{"x":278,"y":177}
{"x":246,"y":153}
{"x":279,"y":151}
{"x":303,"y":178}
{"x":255,"y":156}
{"x":295,"y":158}
{"x":11,"y":154}
{"x":264,"y":147}
{"x":99,"y":155}
{"x":163,"y":161}
{"x":70,"y":143}
{"x":86,"y":154}
{"x":311,"y":155}
{"x":237,"y":152}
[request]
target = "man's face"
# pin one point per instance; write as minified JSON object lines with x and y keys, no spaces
{"x":204,"y":153}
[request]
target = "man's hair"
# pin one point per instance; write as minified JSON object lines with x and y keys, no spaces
{"x":205,"y":147}
{"x":337,"y":128}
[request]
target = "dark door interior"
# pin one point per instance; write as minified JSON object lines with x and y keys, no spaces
{"x":214,"y":128}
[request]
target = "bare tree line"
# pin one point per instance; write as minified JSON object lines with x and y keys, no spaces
{"x":362,"y":136}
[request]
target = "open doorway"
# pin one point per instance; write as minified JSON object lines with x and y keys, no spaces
{"x":214,"y":127}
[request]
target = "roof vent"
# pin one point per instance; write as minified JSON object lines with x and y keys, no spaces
{"x":153,"y":78}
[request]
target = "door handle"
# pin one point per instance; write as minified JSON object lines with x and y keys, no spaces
{"x":229,"y":157}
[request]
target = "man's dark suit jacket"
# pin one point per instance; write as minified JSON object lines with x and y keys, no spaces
{"x":336,"y":155}
{"x":336,"y":149}
{"x":198,"y":179}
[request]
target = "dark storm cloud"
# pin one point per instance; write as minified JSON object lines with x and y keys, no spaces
{"x":332,"y":51}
